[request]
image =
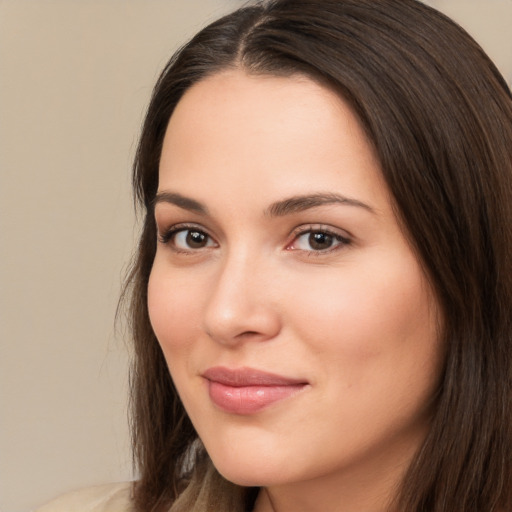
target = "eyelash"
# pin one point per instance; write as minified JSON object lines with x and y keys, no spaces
{"x":342,"y":240}
{"x":168,"y":238}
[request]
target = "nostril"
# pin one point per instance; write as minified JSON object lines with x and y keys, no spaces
{"x":249,"y":333}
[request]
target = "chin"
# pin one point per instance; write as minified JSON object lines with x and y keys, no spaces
{"x":257,"y":475}
{"x":251,"y":469}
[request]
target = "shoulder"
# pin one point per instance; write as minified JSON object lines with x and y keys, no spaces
{"x":102,"y":498}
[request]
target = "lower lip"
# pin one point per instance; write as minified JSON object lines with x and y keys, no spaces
{"x":249,"y":399}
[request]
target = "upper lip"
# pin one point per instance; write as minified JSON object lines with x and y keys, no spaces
{"x":240,"y":377}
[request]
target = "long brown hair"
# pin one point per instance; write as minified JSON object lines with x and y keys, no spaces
{"x":439,"y":116}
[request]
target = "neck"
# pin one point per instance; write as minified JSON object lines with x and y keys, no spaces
{"x":313,"y":497}
{"x":365,"y":486}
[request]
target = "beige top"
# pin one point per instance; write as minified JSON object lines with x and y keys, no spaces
{"x":102,"y":498}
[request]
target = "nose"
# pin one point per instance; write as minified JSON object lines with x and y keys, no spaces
{"x":241,"y":305}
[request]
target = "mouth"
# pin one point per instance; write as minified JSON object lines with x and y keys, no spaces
{"x":248,"y":391}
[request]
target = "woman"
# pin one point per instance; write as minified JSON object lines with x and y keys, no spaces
{"x":320,"y":301}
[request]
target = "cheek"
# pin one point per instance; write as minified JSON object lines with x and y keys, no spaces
{"x":173,"y":309}
{"x":377,"y":317}
{"x":374,"y":335}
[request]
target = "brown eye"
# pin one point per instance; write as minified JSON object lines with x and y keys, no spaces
{"x":196,"y":239}
{"x":191,"y":239}
{"x":319,"y":241}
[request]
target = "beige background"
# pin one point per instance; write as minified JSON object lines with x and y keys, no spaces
{"x":75,"y":77}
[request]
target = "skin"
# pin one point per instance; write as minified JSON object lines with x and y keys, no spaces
{"x":353,"y":316}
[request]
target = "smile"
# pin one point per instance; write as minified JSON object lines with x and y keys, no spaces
{"x":247,"y":391}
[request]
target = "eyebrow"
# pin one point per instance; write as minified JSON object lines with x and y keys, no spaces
{"x":181,"y":201}
{"x":281,"y":208}
{"x":297,"y":204}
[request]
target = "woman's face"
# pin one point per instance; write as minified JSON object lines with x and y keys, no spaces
{"x":296,"y":321}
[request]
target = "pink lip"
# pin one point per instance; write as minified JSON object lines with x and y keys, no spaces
{"x":246,"y":390}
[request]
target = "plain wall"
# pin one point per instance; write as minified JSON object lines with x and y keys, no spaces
{"x":75,"y":78}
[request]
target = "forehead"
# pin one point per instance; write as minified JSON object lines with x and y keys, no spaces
{"x":288,"y":133}
{"x":233,"y":104}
